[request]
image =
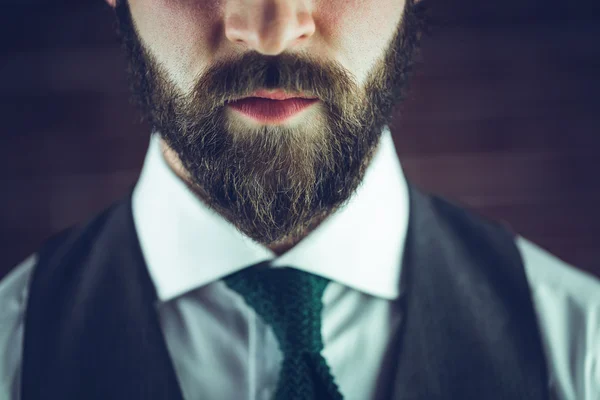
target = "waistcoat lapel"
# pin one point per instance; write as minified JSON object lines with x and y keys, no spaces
{"x":92,"y":331}
{"x":469,"y":326}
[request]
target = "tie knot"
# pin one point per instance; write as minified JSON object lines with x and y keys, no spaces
{"x":289,"y":300}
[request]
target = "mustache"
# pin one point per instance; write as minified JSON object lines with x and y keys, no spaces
{"x":228,"y":80}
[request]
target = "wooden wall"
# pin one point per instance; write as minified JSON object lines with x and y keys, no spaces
{"x":503,"y":117}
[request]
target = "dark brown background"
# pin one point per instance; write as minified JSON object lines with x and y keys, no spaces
{"x":503,"y":117}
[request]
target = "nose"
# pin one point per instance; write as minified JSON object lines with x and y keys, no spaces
{"x":269,"y":27}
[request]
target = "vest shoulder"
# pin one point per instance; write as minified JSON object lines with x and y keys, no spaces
{"x":80,"y":240}
{"x":455,"y":210}
{"x":460,"y":220}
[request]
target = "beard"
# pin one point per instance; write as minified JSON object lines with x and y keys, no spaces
{"x":273,"y":182}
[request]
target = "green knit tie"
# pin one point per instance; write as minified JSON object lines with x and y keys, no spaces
{"x":289,"y":301}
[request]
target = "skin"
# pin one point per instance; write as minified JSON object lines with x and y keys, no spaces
{"x":346,"y":41}
{"x":187,"y":36}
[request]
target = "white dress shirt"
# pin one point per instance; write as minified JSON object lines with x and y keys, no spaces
{"x":222,"y":351}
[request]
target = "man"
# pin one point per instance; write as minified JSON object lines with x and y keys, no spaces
{"x":272,"y":247}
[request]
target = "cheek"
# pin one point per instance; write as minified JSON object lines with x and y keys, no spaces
{"x":176,"y":33}
{"x":184,"y":35}
{"x":360,"y":29}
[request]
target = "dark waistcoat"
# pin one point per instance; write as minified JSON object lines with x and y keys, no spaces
{"x":469,"y":329}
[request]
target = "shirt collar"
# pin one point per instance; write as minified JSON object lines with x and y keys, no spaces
{"x":187,"y":245}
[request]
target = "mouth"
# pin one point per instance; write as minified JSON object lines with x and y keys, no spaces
{"x":272,"y":107}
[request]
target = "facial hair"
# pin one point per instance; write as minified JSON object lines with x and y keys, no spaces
{"x":272,"y":182}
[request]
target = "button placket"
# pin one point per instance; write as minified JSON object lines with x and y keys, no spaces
{"x":268,"y":361}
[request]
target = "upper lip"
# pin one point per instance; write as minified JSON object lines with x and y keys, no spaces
{"x":278,"y":95}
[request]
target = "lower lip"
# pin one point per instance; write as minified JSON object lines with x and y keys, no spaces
{"x":271,"y":111}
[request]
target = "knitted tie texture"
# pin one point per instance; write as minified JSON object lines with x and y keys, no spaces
{"x":289,"y":301}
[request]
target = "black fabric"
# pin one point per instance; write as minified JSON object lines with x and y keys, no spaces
{"x":468,"y":332}
{"x":91,"y":327}
{"x":469,"y":327}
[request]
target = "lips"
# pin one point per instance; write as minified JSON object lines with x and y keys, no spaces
{"x":272,"y":107}
{"x":271,"y":111}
